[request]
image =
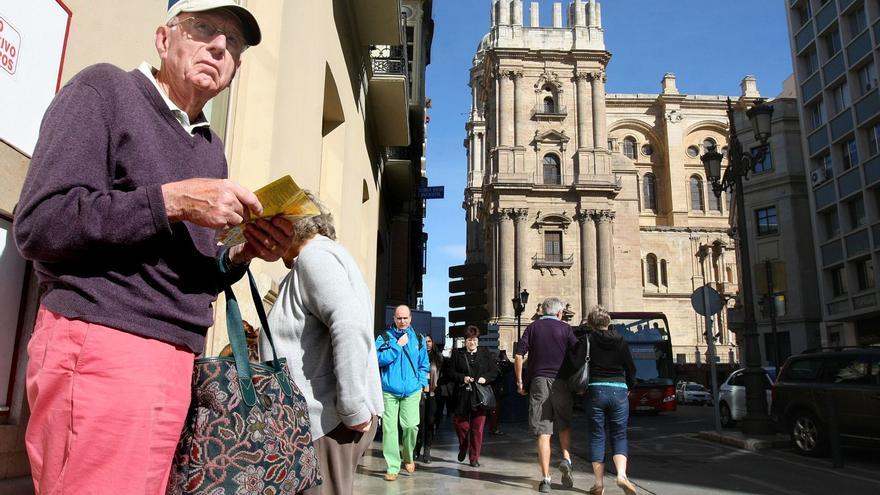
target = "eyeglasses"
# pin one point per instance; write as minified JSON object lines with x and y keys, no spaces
{"x":204,"y":31}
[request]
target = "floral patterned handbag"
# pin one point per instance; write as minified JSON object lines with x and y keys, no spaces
{"x":247,"y":431}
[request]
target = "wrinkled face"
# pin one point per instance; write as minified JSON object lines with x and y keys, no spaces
{"x":401,"y":318}
{"x":471,"y":343}
{"x":429,"y":343}
{"x":195,"y":53}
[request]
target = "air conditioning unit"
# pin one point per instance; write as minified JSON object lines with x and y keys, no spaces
{"x":818,"y":176}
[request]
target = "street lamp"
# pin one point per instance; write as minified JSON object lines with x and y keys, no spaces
{"x":740,"y":164}
{"x":520,"y":299}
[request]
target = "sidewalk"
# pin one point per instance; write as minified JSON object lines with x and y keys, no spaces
{"x":509,"y":465}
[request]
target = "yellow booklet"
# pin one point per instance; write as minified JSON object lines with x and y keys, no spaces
{"x":281,"y":197}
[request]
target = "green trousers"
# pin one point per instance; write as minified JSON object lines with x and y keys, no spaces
{"x":407,"y":411}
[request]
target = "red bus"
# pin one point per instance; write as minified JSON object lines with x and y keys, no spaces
{"x":651,"y":347}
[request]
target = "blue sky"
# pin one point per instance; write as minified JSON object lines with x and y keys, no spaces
{"x":710,"y":45}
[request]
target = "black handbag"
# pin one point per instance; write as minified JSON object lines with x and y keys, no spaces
{"x":580,"y":379}
{"x":482,"y":396}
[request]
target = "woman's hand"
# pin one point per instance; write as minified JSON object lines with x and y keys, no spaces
{"x":468,"y":379}
{"x":481,"y":380}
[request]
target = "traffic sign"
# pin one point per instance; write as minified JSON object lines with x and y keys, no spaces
{"x":468,"y":300}
{"x":467,"y":285}
{"x":431,"y":192}
{"x":706,"y":301}
{"x":469,"y":315}
{"x":468,"y":270}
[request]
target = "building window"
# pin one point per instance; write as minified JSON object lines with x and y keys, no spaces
{"x":809,"y":63}
{"x":855,"y":209}
{"x":857,"y":21}
{"x":850,"y":154}
{"x":832,"y":42}
{"x":766,"y":218}
{"x":830,"y":223}
{"x":867,"y":77}
{"x":865,"y":273}
{"x":651,"y":269}
{"x":693,"y":151}
{"x":663,"y":279}
{"x":765,"y":165}
{"x":647,"y":150}
{"x":549,"y":105}
{"x":553,"y":246}
{"x":697,"y":203}
{"x":838,"y":281}
{"x":551,"y":169}
{"x":803,"y":14}
{"x":873,"y":133}
{"x":714,"y":201}
{"x":629,"y":148}
{"x":840,"y":96}
{"x":708,"y":144}
{"x":649,"y":195}
{"x":816,"y":112}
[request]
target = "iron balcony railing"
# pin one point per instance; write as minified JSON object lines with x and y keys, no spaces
{"x":389,"y":60}
{"x":542,"y":111}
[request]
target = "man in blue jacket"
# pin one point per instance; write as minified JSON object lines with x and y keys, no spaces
{"x":404,"y":367}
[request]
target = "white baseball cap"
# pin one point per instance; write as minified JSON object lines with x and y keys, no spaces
{"x":250,"y":28}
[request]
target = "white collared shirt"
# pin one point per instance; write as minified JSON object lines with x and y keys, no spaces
{"x":181,"y":116}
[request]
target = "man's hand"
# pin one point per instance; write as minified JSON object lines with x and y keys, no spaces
{"x":214,"y":203}
{"x":403,"y":340}
{"x":363,"y":427}
{"x":266,"y":239}
{"x":481,"y":380}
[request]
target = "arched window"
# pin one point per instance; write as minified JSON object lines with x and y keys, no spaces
{"x":549,"y":105}
{"x":663,"y":278}
{"x":697,"y":203}
{"x":649,"y":192}
{"x":551,"y":169}
{"x":714,"y":201}
{"x":629,"y":148}
{"x":651,"y":269}
{"x":708,"y":144}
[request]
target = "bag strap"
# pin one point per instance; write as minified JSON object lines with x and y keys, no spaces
{"x":280,"y":375}
{"x":587,"y":361}
{"x":408,"y":358}
{"x":238,"y":341}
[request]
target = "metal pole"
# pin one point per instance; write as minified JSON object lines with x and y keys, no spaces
{"x":756,"y":421}
{"x":771,"y":297}
{"x":710,"y":341}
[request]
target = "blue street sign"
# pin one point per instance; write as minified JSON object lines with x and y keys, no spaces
{"x":431,"y":192}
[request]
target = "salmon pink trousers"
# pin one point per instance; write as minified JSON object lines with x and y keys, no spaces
{"x":107,"y":408}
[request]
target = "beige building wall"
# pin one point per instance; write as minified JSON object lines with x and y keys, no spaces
{"x":298,"y":106}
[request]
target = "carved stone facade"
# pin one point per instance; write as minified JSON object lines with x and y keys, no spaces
{"x":593,"y":197}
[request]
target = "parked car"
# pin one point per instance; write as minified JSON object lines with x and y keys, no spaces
{"x":817,"y":387}
{"x":692,"y":393}
{"x":732,"y":396}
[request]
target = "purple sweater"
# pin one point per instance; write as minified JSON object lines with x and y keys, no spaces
{"x":92,"y":218}
{"x":546,"y":341}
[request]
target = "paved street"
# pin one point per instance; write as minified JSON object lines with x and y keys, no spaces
{"x":666,"y":458}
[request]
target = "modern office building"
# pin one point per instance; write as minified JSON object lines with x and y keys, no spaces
{"x":834,"y":49}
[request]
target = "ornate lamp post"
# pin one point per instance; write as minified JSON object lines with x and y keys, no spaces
{"x":520,"y":299}
{"x":740,"y":164}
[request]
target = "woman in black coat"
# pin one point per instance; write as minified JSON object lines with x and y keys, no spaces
{"x":468,"y":367}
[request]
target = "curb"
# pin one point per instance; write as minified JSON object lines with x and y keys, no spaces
{"x":748,"y":443}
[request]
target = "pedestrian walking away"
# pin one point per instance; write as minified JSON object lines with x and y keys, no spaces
{"x":612,"y":374}
{"x":500,"y":387}
{"x":126,"y":187}
{"x":469,"y":368}
{"x":547,"y":342}
{"x":428,"y":404}
{"x":323,"y":321}
{"x":404,"y":368}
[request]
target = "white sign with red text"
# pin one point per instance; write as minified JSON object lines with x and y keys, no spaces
{"x":33,"y":36}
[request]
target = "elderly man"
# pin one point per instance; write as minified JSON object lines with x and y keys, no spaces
{"x":118,"y":212}
{"x":547,"y":342}
{"x":404,"y":367}
{"x":323,"y":325}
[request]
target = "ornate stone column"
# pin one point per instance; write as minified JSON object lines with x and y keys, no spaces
{"x":505,"y":263}
{"x":605,"y":249}
{"x":505,"y":108}
{"x":493,"y":221}
{"x":520,"y":223}
{"x":600,"y":134}
{"x":589,"y":286}
{"x":516,"y":76}
{"x":584,"y":111}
